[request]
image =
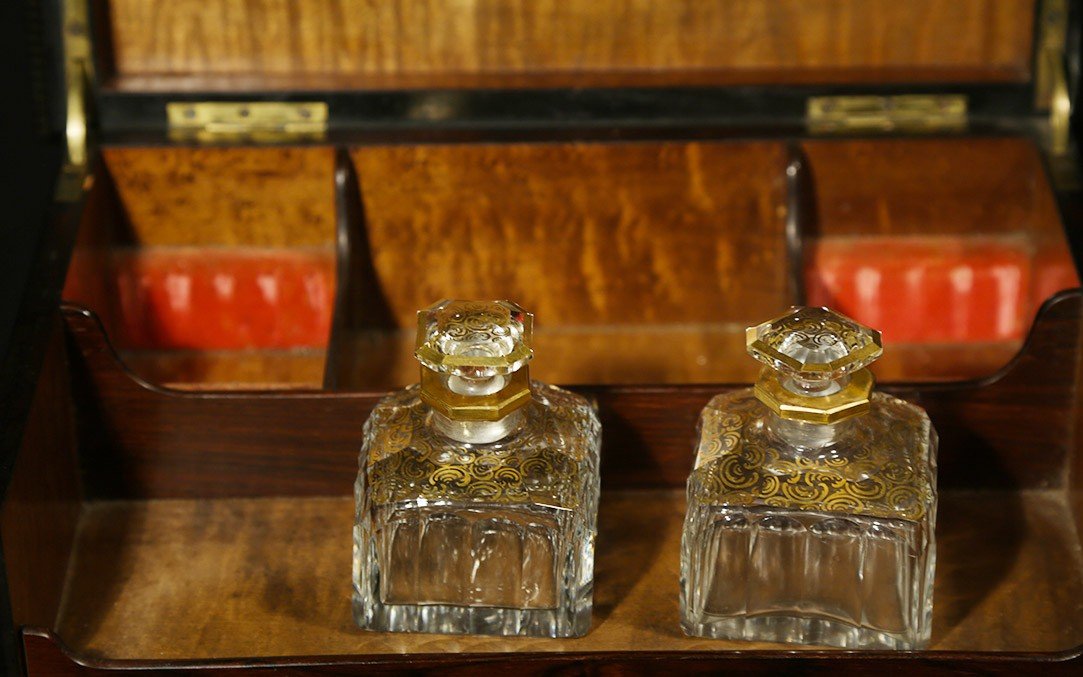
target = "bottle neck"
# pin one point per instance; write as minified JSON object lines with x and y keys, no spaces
{"x":806,"y":436}
{"x":812,"y":414}
{"x":476,"y":408}
{"x":477,"y":432}
{"x":813,"y":387}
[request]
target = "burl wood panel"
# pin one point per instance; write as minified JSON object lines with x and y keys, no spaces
{"x":263,"y":578}
{"x":225,"y":196}
{"x":373,"y":360}
{"x":1010,"y":430}
{"x":935,"y":239}
{"x":41,"y":502}
{"x":580,"y":233}
{"x":947,"y":186}
{"x":574,"y":42}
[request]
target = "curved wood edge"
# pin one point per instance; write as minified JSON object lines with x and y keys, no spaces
{"x":1016,"y":427}
{"x":359,"y":299}
{"x":1013,"y":429}
{"x":46,"y":653}
{"x":1046,"y":334}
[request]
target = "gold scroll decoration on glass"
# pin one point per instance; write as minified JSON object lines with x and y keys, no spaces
{"x":408,"y":460}
{"x":874,"y":481}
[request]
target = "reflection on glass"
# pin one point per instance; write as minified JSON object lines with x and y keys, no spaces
{"x":477,"y":492}
{"x":812,"y":506}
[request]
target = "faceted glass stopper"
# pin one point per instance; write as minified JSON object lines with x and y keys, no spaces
{"x":474,"y":339}
{"x":814,"y":344}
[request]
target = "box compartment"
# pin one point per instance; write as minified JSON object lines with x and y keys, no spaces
{"x":239,"y":267}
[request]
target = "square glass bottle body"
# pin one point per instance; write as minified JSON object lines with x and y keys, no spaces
{"x":813,"y":534}
{"x":494,"y":538}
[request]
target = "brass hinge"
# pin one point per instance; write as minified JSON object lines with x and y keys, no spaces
{"x":1050,"y":76}
{"x":78,"y":70}
{"x":900,"y":113}
{"x":259,"y":121}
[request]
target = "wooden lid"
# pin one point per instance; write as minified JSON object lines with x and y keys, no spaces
{"x":229,"y":45}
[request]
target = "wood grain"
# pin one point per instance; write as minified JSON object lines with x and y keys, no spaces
{"x":1010,"y":430}
{"x":313,"y":84}
{"x":434,"y":42}
{"x":225,"y":196}
{"x":580,"y":233}
{"x":270,"y":578}
{"x":947,"y":186}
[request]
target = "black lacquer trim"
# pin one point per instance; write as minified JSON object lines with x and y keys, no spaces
{"x":750,"y":109}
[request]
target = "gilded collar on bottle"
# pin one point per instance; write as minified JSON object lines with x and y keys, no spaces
{"x":851,"y":399}
{"x":489,"y":407}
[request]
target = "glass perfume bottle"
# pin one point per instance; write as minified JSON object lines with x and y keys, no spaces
{"x":477,"y":493}
{"x":812,"y":504}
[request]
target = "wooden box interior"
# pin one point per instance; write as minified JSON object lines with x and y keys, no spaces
{"x":182,"y":498}
{"x":209,"y":526}
{"x":227,"y":267}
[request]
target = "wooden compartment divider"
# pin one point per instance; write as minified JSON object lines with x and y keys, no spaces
{"x":694,"y":241}
{"x":212,"y":267}
{"x":494,"y":221}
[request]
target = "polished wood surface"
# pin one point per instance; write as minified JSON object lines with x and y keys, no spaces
{"x":943,"y":187}
{"x":158,"y":443}
{"x":439,"y":43}
{"x":41,"y":503}
{"x":46,"y":654}
{"x":270,"y":577}
{"x":228,"y":369}
{"x":314,"y":84}
{"x":1074,"y":466}
{"x":278,"y":196}
{"x":580,"y":233}
{"x":89,"y":279}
